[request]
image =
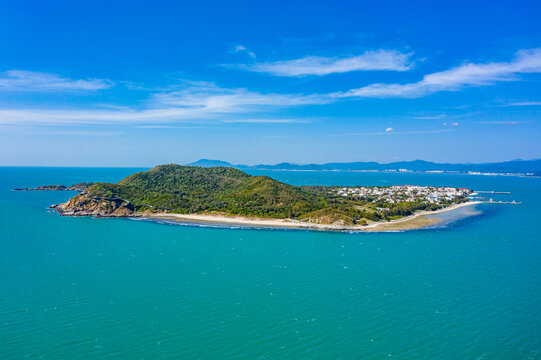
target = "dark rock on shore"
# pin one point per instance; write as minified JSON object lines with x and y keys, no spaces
{"x":83,"y":205}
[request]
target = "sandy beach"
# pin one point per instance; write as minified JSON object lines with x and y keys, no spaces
{"x":415,"y":221}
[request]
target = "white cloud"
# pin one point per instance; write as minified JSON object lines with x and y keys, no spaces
{"x":80,"y":133}
{"x":267,"y":121}
{"x":451,"y":124}
{"x":202,"y":102}
{"x":496,"y":122}
{"x":316,"y":65}
{"x":31,"y":81}
{"x":209,"y":97}
{"x":389,"y":129}
{"x":430,"y":117}
{"x":205,"y":103}
{"x":172,"y":127}
{"x":524,"y":103}
{"x":243,"y":49}
{"x":409,"y":132}
{"x":469,"y":74}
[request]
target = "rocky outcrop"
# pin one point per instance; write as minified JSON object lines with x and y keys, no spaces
{"x":80,"y":186}
{"x":75,"y":187}
{"x":84,"y":205}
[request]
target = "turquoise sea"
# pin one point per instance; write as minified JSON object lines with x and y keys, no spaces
{"x":84,"y":288}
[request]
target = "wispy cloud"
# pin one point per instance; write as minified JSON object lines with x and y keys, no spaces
{"x":430,"y":117}
{"x":469,"y":74}
{"x":523,"y":103}
{"x":211,"y":98}
{"x":80,"y":133}
{"x":319,"y":66}
{"x":31,"y":81}
{"x":243,"y":49}
{"x":201,"y":102}
{"x":392,"y":132}
{"x":267,"y":121}
{"x":172,"y":127}
{"x":497,"y":122}
{"x":204,"y":103}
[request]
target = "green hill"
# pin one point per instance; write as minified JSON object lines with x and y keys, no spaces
{"x":190,"y":189}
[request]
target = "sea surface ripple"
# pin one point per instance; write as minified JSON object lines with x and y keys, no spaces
{"x":84,"y":288}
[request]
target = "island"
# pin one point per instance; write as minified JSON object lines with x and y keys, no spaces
{"x":230,"y":196}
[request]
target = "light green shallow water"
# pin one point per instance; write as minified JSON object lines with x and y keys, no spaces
{"x":82,"y":288}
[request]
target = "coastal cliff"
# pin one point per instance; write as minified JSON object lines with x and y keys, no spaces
{"x":83,"y":205}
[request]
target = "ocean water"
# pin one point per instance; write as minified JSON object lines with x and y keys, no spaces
{"x":84,"y":288}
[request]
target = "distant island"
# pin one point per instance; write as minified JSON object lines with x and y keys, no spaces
{"x":229,"y":195}
{"x":75,"y":187}
{"x":514,"y":167}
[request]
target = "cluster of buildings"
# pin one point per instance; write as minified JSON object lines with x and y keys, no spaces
{"x":401,"y":193}
{"x":461,"y":172}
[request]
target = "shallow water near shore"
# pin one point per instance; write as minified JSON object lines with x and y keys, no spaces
{"x":84,"y":288}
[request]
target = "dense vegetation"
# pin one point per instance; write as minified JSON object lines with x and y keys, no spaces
{"x":191,"y":189}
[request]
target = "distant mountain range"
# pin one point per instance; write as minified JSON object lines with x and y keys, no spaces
{"x":529,"y":167}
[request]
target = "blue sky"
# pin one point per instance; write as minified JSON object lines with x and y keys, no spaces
{"x":106,"y":83}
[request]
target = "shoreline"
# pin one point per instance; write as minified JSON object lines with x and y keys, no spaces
{"x":411,"y":222}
